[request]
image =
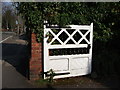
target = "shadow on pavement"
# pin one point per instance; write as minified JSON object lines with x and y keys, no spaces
{"x":17,"y":55}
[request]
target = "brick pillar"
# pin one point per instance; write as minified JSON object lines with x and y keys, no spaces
{"x":35,"y":64}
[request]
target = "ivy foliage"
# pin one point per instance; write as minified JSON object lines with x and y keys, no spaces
{"x":104,"y":15}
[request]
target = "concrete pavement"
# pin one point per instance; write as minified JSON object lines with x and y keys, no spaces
{"x":13,"y":79}
{"x":15,"y":63}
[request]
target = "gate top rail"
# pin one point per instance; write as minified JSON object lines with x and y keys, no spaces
{"x":68,"y":27}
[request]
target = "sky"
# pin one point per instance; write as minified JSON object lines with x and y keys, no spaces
{"x":6,"y":0}
{"x":9,"y":4}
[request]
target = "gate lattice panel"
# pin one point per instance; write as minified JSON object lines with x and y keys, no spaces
{"x":68,"y":51}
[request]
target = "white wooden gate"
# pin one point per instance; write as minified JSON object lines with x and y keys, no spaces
{"x":68,"y":51}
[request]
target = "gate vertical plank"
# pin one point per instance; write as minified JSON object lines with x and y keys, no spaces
{"x":45,"y":51}
{"x":91,"y":41}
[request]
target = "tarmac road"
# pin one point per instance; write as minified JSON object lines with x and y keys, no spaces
{"x":6,"y":35}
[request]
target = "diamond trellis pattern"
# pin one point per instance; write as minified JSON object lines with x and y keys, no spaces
{"x":88,"y":36}
{"x":50,"y":37}
{"x":55,"y":37}
{"x":70,"y":42}
{"x":68,"y":36}
{"x":70,"y":31}
{"x":55,"y":42}
{"x":83,"y":31}
{"x":83,"y":42}
{"x":77,"y":36}
{"x":63,"y":36}
{"x":56,"y":31}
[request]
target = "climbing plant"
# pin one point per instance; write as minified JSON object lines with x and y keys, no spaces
{"x":105,"y":16}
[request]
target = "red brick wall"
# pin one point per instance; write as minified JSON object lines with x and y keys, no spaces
{"x":35,"y":64}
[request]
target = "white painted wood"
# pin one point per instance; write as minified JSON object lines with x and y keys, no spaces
{"x":83,"y":36}
{"x":91,"y":41}
{"x":77,"y":64}
{"x":56,"y":36}
{"x":86,"y":27}
{"x":45,"y":51}
{"x":67,"y":46}
{"x":59,"y":64}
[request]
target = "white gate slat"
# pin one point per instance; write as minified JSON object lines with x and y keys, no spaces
{"x":85,"y":27}
{"x":67,"y":46}
{"x":91,"y":41}
{"x":45,"y":50}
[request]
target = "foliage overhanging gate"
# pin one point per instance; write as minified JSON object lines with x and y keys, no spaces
{"x":68,"y":51}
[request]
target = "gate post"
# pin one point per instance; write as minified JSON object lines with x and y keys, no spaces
{"x":35,"y":63}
